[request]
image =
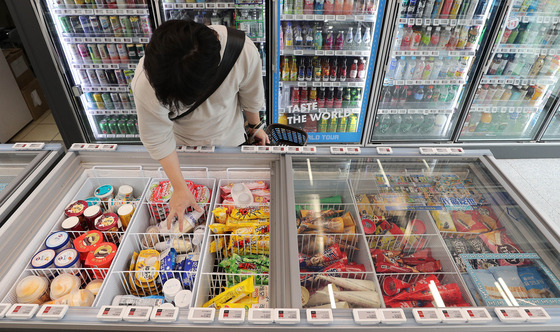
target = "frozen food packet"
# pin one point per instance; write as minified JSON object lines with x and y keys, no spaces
{"x":391,"y":286}
{"x":444,"y":221}
{"x":385,"y":264}
{"x":498,"y":242}
{"x":262,"y":212}
{"x":181,"y":245}
{"x":488,"y":218}
{"x":534,"y":283}
{"x":202,"y":194}
{"x":406,"y":304}
{"x":429,"y":267}
{"x":147,"y":268}
{"x":450,"y":293}
{"x":420,"y":285}
{"x":220,"y":214}
{"x":348,"y":284}
{"x":509,"y":275}
{"x":488,"y":281}
{"x":320,"y":260}
{"x":321,"y":296}
{"x":467,"y":221}
{"x":232,"y":294}
{"x":217,"y":244}
{"x":458,"y":246}
{"x":419,"y":257}
{"x":359,"y":299}
{"x":167,"y":260}
{"x":478,"y":246}
{"x":472,"y":288}
{"x":190,"y":265}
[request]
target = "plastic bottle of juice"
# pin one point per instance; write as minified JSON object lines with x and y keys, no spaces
{"x":348,"y":7}
{"x":329,"y":7}
{"x":338,"y":7}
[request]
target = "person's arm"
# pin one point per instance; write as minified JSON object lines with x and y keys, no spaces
{"x":259,"y":134}
{"x":182,"y":197}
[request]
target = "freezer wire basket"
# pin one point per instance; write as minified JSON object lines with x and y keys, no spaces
{"x":280,"y":134}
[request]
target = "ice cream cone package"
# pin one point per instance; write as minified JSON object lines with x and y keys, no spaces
{"x":498,"y":242}
{"x":321,"y":260}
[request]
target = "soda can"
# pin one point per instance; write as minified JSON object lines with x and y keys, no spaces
{"x":105,"y":25}
{"x":132,"y":103}
{"x":135,"y":25}
{"x":108,"y":101}
{"x":98,"y":100}
{"x":145,"y":24}
{"x":111,"y":77}
{"x":129,"y":75}
{"x":84,"y":77}
{"x":121,"y":124}
{"x":123,"y":54}
{"x":76,"y":25}
{"x":131,"y":50}
{"x":95,"y":25}
{"x":112,"y":124}
{"x":101,"y":77}
{"x":126,"y":26}
{"x":116,"y":100}
{"x":131,"y":127}
{"x":65,"y":24}
{"x":84,"y":53}
{"x":113,"y":54}
{"x":94,"y":53}
{"x":90,"y":101}
{"x":86,"y":25}
{"x":121,"y":80}
{"x":75,"y":53}
{"x":80,"y":3}
{"x":100,"y":3}
{"x":140,"y":50}
{"x":111,"y":4}
{"x":125,"y":100}
{"x":117,"y":28}
{"x":70,"y":4}
{"x":90,"y":4}
{"x":130,"y":2}
{"x":104,"y":126}
{"x":104,"y":53}
{"x":92,"y":75}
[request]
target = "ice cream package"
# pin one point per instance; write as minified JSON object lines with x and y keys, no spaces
{"x":467,"y":222}
{"x":511,"y":278}
{"x":498,"y":242}
{"x":489,"y":283}
{"x":535,"y":283}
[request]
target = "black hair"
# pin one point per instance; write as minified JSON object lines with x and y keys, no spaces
{"x":181,"y":62}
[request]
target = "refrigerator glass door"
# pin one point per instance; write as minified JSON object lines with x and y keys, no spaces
{"x":324,"y":66}
{"x":511,"y":101}
{"x":552,"y":133}
{"x":370,"y":228}
{"x":435,"y":43}
{"x":99,"y":44}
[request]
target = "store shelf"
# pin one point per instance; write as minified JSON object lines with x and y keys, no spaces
{"x":322,"y":84}
{"x":325,"y":52}
{"x":415,"y":111}
{"x":123,"y":88}
{"x":112,"y":112}
{"x":106,"y":40}
{"x":213,"y":5}
{"x":502,"y":79}
{"x":440,"y":22}
{"x":452,"y":81}
{"x":101,"y":136}
{"x":131,"y":66}
{"x":435,"y":53}
{"x":329,"y":18}
{"x":525,"y":17}
{"x":527,"y":49}
{"x":323,"y":110}
{"x":504,"y":109}
{"x":112,"y":12}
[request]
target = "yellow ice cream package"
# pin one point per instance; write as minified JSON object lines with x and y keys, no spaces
{"x":217,"y":244}
{"x":221,"y":214}
{"x":249,"y":213}
{"x":232,"y":294}
{"x":444,"y":221}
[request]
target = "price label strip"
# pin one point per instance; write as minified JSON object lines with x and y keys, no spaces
{"x":477,"y":315}
{"x":536,"y":314}
{"x":22,"y":311}
{"x":392,"y":316}
{"x":286,"y":316}
{"x":261,"y":316}
{"x":52,"y":312}
{"x":510,"y":315}
{"x":111,"y":313}
{"x":366,"y":316}
{"x":319,"y":316}
{"x":164,"y":315}
{"x":232,"y":315}
{"x":202,"y":315}
{"x":453,"y":316}
{"x":426,"y":316}
{"x":137,"y":314}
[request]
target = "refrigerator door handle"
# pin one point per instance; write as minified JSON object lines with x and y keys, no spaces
{"x":77,"y":90}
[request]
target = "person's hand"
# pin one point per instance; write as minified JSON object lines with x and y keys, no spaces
{"x":179,"y":202}
{"x":261,"y":138}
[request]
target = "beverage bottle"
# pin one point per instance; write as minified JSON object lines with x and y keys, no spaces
{"x":445,"y":67}
{"x":436,"y":68}
{"x":417,"y":120}
{"x":427,"y":125}
{"x":521,"y":34}
{"x":308,"y":6}
{"x":512,"y":36}
{"x":281,"y":37}
{"x":358,"y":37}
{"x":481,"y":94}
{"x":403,"y":95}
{"x":392,"y":67}
{"x":455,"y":9}
{"x":446,"y":9}
{"x":463,"y":37}
{"x":329,"y":39}
{"x":429,"y":8}
{"x":295,"y":96}
{"x":309,"y":39}
{"x":339,"y":44}
{"x":317,"y":69}
{"x":537,"y":66}
{"x":439,"y":123}
{"x":301,"y":70}
{"x":318,"y":39}
{"x":426,"y":37}
{"x":512,"y":61}
{"x":503,"y":64}
{"x":309,"y":70}
{"x":515,"y":93}
{"x":398,"y":37}
{"x":419,"y":69}
{"x":470,"y":11}
{"x":406,"y":124}
{"x":452,"y":67}
{"x":434,"y":39}
{"x":507,"y":93}
{"x":396,"y":92}
{"x":499,"y":93}
{"x":400,"y":70}
{"x":286,"y":70}
{"x":329,"y":7}
{"x":553,"y":67}
{"x":383,"y":123}
{"x":428,"y":94}
{"x":443,"y":92}
{"x":288,"y":6}
{"x":321,"y":98}
{"x":419,"y":93}
{"x":329,"y":103}
{"x":338,"y":7}
{"x":319,"y":7}
{"x":298,"y":38}
{"x":293,"y":70}
{"x":349,"y":43}
{"x":427,"y":72}
{"x":304,"y":95}
{"x":436,"y":93}
{"x":453,"y":40}
{"x":361,"y":69}
{"x":410,"y":94}
{"x":528,"y":65}
{"x":322,"y":127}
{"x":473,"y":122}
{"x":444,"y":39}
{"x":415,"y":42}
{"x":420,"y":6}
{"x":410,"y":68}
{"x":387,"y":96}
{"x":411,"y":9}
{"x":462,"y":68}
{"x":333,"y":125}
{"x":518,"y":65}
{"x":484,"y":123}
{"x":346,"y":98}
{"x":354,"y":69}
{"x":342,"y":71}
{"x":396,"y":122}
{"x":366,"y":39}
{"x":289,"y":37}
{"x":407,"y":38}
{"x":298,"y":7}
{"x":348,"y":7}
{"x":326,"y":69}
{"x":352,"y":124}
{"x":491,"y":92}
{"x":334,"y":70}
{"x":356,"y":95}
{"x":342,"y":124}
{"x":505,"y":36}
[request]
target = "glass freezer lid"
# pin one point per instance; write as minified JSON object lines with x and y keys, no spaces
{"x":12,"y":166}
{"x":416,"y":232}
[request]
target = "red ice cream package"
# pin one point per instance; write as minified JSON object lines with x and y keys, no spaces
{"x":392,"y":286}
{"x":467,"y":221}
{"x":385,"y":264}
{"x":419,"y":257}
{"x":419,"y":286}
{"x":450,"y":293}
{"x":429,"y":267}
{"x":325,"y":258}
{"x":345,"y":270}
{"x":406,"y":304}
{"x":388,"y":253}
{"x":488,"y":218}
{"x":499,"y":243}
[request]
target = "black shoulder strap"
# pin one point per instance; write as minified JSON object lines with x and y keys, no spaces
{"x":234,"y":46}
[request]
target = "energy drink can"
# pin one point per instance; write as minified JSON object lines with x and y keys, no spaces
{"x":95,"y":25}
{"x":104,"y":126}
{"x":84,"y":79}
{"x":94,"y":53}
{"x":104,"y":53}
{"x":132,"y":103}
{"x":86,"y":25}
{"x":129,"y":75}
{"x":90,"y":101}
{"x":84,"y":53}
{"x":116,"y":100}
{"x":113,"y":54}
{"x":123,"y":54}
{"x":121,"y":125}
{"x":75,"y":53}
{"x":101,"y":76}
{"x":100,"y":3}
{"x":99,"y":101}
{"x":80,"y":3}
{"x":90,"y":4}
{"x":121,"y":80}
{"x":65,"y":24}
{"x":131,"y":127}
{"x":126,"y":26}
{"x":111,"y":77}
{"x":125,"y":100}
{"x":117,"y":28}
{"x":93,"y":80}
{"x":111,"y":4}
{"x":145,"y":24}
{"x":108,"y":101}
{"x":140,"y":50}
{"x":135,"y":24}
{"x":112,"y":124}
{"x":76,"y":25}
{"x":131,"y":49}
{"x":105,"y":25}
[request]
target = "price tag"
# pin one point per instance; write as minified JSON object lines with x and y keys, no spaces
{"x":199,"y":5}
{"x":22,"y":311}
{"x":299,"y":17}
{"x":517,"y":81}
{"x":330,"y":17}
{"x":444,"y":22}
{"x":533,"y":81}
{"x":167,"y":6}
{"x":329,"y":52}
{"x":210,"y":5}
{"x":202,"y":315}
{"x":555,"y":19}
{"x":436,"y":22}
{"x":552,"y":51}
{"x":286,"y":316}
{"x":289,"y":17}
{"x":137,"y":314}
{"x":539,"y":19}
{"x":402,"y":20}
{"x":261,"y":316}
{"x":341,"y":17}
{"x":309,"y":17}
{"x":52,"y":312}
{"x":401,"y":111}
{"x":392,"y":316}
{"x":536,"y":314}
{"x":399,"y":53}
{"x":452,"y":53}
{"x":400,"y":82}
{"x":410,"y":21}
{"x":368,"y":316}
{"x":319,"y":316}
{"x":477,"y":315}
{"x":319,"y":17}
{"x":319,"y":52}
{"x":360,"y":18}
{"x":408,"y":53}
{"x":301,"y":84}
{"x":453,"y":316}
{"x":546,"y":19}
{"x":327,"y":84}
{"x":111,"y":313}
{"x":418,"y":21}
{"x":479,"y":22}
{"x":426,"y":316}
{"x":232,"y":315}
{"x":510,"y":315}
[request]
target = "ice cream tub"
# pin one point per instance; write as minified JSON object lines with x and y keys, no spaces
{"x":104,"y":193}
{"x":88,"y":242}
{"x":125,"y":213}
{"x":71,"y":225}
{"x":101,"y":258}
{"x":107,"y":222}
{"x":76,"y":209}
{"x":91,"y":214}
{"x":93,"y":201}
{"x":68,"y":259}
{"x":125,"y":193}
{"x":32,"y":289}
{"x":44,"y":259}
{"x":58,"y":241}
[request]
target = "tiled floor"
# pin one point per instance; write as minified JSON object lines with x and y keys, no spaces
{"x":43,"y":129}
